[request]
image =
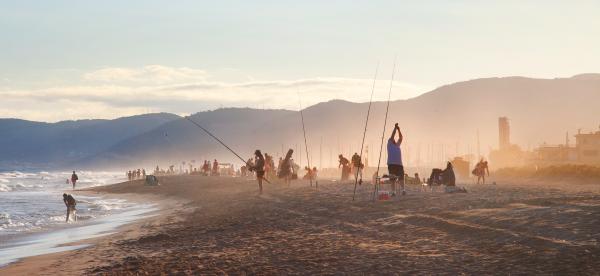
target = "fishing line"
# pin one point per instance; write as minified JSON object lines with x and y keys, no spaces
{"x":219,"y":140}
{"x":365,"y":132}
{"x":387,"y":108}
{"x":305,"y":143}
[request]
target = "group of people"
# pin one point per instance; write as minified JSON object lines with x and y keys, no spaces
{"x":353,"y":167}
{"x":287,"y":170}
{"x":136,"y":174}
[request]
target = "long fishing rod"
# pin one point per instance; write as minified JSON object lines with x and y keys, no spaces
{"x":305,"y":143}
{"x":387,"y":108}
{"x":365,"y":132}
{"x":219,"y":140}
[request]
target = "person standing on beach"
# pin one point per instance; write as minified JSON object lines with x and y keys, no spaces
{"x":70,"y":203}
{"x":357,"y":166}
{"x":345,"y":164}
{"x":258,"y":168}
{"x":215,"y":168}
{"x":74,"y":179}
{"x":394,"y":162}
{"x":285,"y":167}
{"x":480,"y":169}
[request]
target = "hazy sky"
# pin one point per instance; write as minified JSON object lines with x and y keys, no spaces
{"x":104,"y":59}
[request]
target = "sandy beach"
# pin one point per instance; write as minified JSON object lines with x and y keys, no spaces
{"x":211,"y":225}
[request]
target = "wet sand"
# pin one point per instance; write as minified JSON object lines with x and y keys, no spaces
{"x":222,"y":226}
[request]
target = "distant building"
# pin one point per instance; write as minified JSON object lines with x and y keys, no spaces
{"x":503,"y":133}
{"x":588,"y":147}
{"x":554,"y":155}
{"x":508,"y":155}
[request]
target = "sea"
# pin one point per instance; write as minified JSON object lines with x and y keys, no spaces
{"x":32,"y":212}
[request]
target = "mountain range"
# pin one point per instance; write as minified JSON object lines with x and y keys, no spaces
{"x":436,"y":125}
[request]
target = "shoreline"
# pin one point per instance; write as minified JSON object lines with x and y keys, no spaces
{"x":213,"y":225}
{"x":104,"y":229}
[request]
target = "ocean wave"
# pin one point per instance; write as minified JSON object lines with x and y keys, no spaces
{"x":5,"y":188}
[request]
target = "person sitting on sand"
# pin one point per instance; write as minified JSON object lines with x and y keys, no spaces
{"x":285,"y":167}
{"x":74,"y":179}
{"x":258,"y":168}
{"x":394,"y":161}
{"x":345,"y":164}
{"x":70,"y":203}
{"x":448,"y":176}
{"x":480,"y":169}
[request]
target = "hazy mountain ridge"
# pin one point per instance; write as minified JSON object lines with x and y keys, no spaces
{"x":25,"y":144}
{"x":540,"y":110}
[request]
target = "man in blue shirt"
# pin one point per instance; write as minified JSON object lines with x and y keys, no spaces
{"x":395,"y":168}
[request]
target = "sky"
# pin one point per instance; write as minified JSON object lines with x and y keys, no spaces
{"x":66,"y":60}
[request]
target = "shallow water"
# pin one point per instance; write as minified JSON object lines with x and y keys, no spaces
{"x":54,"y":241}
{"x":32,"y":202}
{"x":32,"y":212}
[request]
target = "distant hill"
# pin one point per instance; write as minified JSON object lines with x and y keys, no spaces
{"x":31,"y":145}
{"x":434,"y":124}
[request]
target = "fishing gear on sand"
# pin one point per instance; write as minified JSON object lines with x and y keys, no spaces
{"x":387,"y":108}
{"x":306,"y":144}
{"x":356,"y":181}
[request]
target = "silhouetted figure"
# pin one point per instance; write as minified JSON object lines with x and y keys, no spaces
{"x":394,"y":161}
{"x":215,"y":168}
{"x":70,"y":203}
{"x":206,"y":168}
{"x":448,"y":176}
{"x":357,"y":166}
{"x":259,"y":168}
{"x":442,"y":177}
{"x":480,"y":170}
{"x":74,"y":179}
{"x":286,"y":167}
{"x":345,"y":165}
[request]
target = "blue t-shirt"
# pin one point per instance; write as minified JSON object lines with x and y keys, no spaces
{"x":394,"y":153}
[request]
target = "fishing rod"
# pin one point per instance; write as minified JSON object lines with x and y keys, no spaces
{"x":365,"y":132}
{"x":387,"y":108}
{"x":219,"y":140}
{"x":305,"y":143}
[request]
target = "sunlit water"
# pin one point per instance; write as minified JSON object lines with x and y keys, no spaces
{"x":32,"y":213}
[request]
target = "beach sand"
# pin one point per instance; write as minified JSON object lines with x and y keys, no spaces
{"x":211,"y":225}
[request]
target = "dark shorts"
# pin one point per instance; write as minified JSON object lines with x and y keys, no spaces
{"x":397,"y":170}
{"x":260,"y":174}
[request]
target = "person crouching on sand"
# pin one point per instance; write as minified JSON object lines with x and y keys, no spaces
{"x":70,"y":203}
{"x":258,"y":168}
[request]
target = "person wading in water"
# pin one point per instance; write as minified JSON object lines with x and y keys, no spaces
{"x":74,"y":179}
{"x":394,"y":162}
{"x":70,"y":203}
